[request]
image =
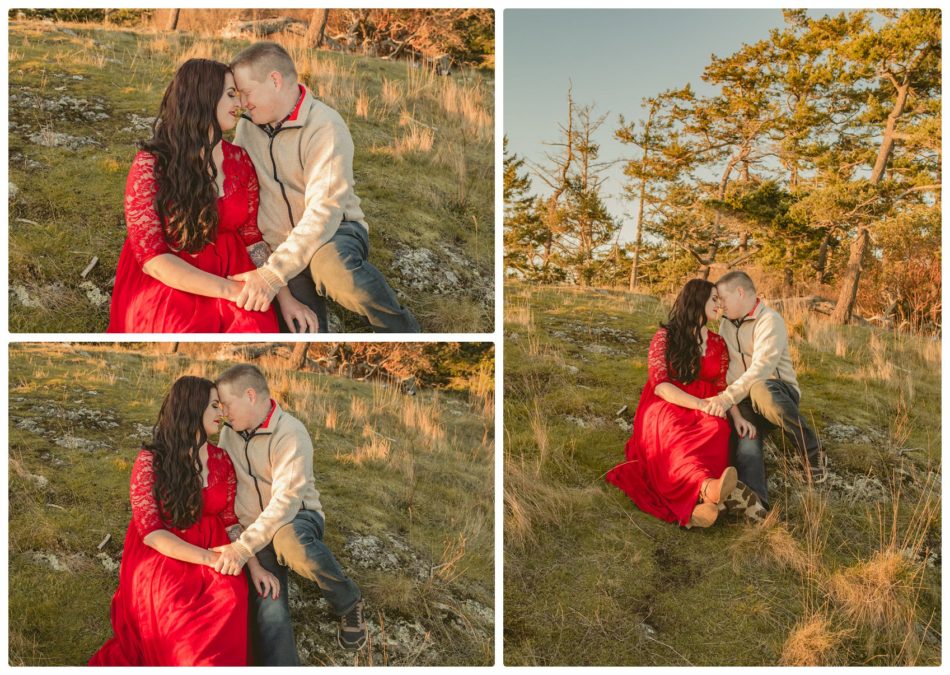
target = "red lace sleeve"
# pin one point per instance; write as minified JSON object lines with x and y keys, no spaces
{"x":249,"y":231}
{"x":228,"y":517}
{"x":720,"y":383}
{"x":656,"y":359}
{"x":145,"y":513}
{"x":145,"y":231}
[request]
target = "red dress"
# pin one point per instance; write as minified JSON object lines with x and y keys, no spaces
{"x":143,"y":304}
{"x":172,"y":613}
{"x":673,"y":449}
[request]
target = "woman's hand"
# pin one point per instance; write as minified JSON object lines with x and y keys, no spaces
{"x":744,"y":427}
{"x":293,"y":310}
{"x":264,"y":582}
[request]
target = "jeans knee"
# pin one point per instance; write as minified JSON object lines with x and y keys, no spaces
{"x":272,"y":612}
{"x":749,"y":450}
{"x":768,"y":399}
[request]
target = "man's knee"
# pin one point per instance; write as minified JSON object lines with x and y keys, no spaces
{"x":748,"y":450}
{"x":294,"y":544}
{"x":770,"y":400}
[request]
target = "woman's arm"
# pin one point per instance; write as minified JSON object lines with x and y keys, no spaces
{"x":178,"y":274}
{"x":672,"y":394}
{"x":168,"y":544}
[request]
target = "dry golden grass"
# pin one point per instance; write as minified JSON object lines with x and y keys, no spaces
{"x":362,"y":105}
{"x":812,"y":642}
{"x":876,"y":593}
{"x":330,"y":422}
{"x":773,"y":544}
{"x":528,"y":502}
{"x":377,"y":448}
{"x":517,"y":314}
{"x":418,"y":139}
{"x":425,"y":420}
{"x":359,"y":409}
{"x":392,"y":93}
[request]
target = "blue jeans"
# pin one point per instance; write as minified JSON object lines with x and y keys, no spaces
{"x":772,"y":404}
{"x":339,"y":270}
{"x":297,"y":546}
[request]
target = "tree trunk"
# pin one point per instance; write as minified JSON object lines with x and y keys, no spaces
{"x":821,"y":264}
{"x":317,"y":31}
{"x":173,"y":347}
{"x":849,"y":288}
{"x":743,"y":243}
{"x":788,"y":283}
{"x":299,"y":357}
{"x":173,"y":16}
{"x":708,"y":263}
{"x":635,"y":268}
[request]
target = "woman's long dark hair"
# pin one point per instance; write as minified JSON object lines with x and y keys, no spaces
{"x":176,"y":439}
{"x":187,"y":193}
{"x":683,"y":336}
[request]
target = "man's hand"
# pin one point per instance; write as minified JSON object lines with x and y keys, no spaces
{"x":231,"y":561}
{"x":256,"y":294}
{"x":713,"y":406}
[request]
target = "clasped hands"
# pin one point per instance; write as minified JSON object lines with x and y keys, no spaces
{"x":256,"y":295}
{"x":717,"y":408}
{"x":713,"y":406}
{"x":231,"y":559}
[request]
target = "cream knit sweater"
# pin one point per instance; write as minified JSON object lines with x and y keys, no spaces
{"x":274,"y":470}
{"x":305,"y":171}
{"x":758,"y":350}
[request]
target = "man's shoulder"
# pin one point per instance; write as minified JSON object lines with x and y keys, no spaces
{"x":321,"y":115}
{"x":770,"y":314}
{"x":288,"y":424}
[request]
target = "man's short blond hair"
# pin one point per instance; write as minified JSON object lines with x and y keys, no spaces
{"x":735,"y":279}
{"x":243,"y":377}
{"x":263,"y":58}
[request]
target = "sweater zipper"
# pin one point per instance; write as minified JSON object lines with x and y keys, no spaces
{"x":739,"y":345}
{"x":283,"y":191}
{"x":273,"y":162}
{"x":247,"y":458}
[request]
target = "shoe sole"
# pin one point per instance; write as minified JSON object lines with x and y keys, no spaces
{"x":706,"y":516}
{"x":727,"y":483}
{"x":347,"y":647}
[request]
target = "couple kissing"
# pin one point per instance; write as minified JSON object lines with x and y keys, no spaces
{"x":678,"y":465}
{"x":215,"y":530}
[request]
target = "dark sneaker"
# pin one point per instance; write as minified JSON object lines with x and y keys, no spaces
{"x":351,"y":635}
{"x":819,"y":473}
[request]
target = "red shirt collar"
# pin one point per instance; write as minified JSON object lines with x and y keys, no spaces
{"x":273,"y":407}
{"x":754,"y":307}
{"x":296,"y":111}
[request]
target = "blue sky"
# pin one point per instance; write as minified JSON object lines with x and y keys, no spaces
{"x":614,"y":58}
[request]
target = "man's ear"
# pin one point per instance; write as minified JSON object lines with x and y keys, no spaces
{"x":251,"y":395}
{"x":277,"y":79}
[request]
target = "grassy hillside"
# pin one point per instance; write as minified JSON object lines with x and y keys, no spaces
{"x":81,"y":96}
{"x":846,"y":573}
{"x":406,"y":483}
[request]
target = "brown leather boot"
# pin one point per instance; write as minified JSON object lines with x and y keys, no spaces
{"x":714,"y":491}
